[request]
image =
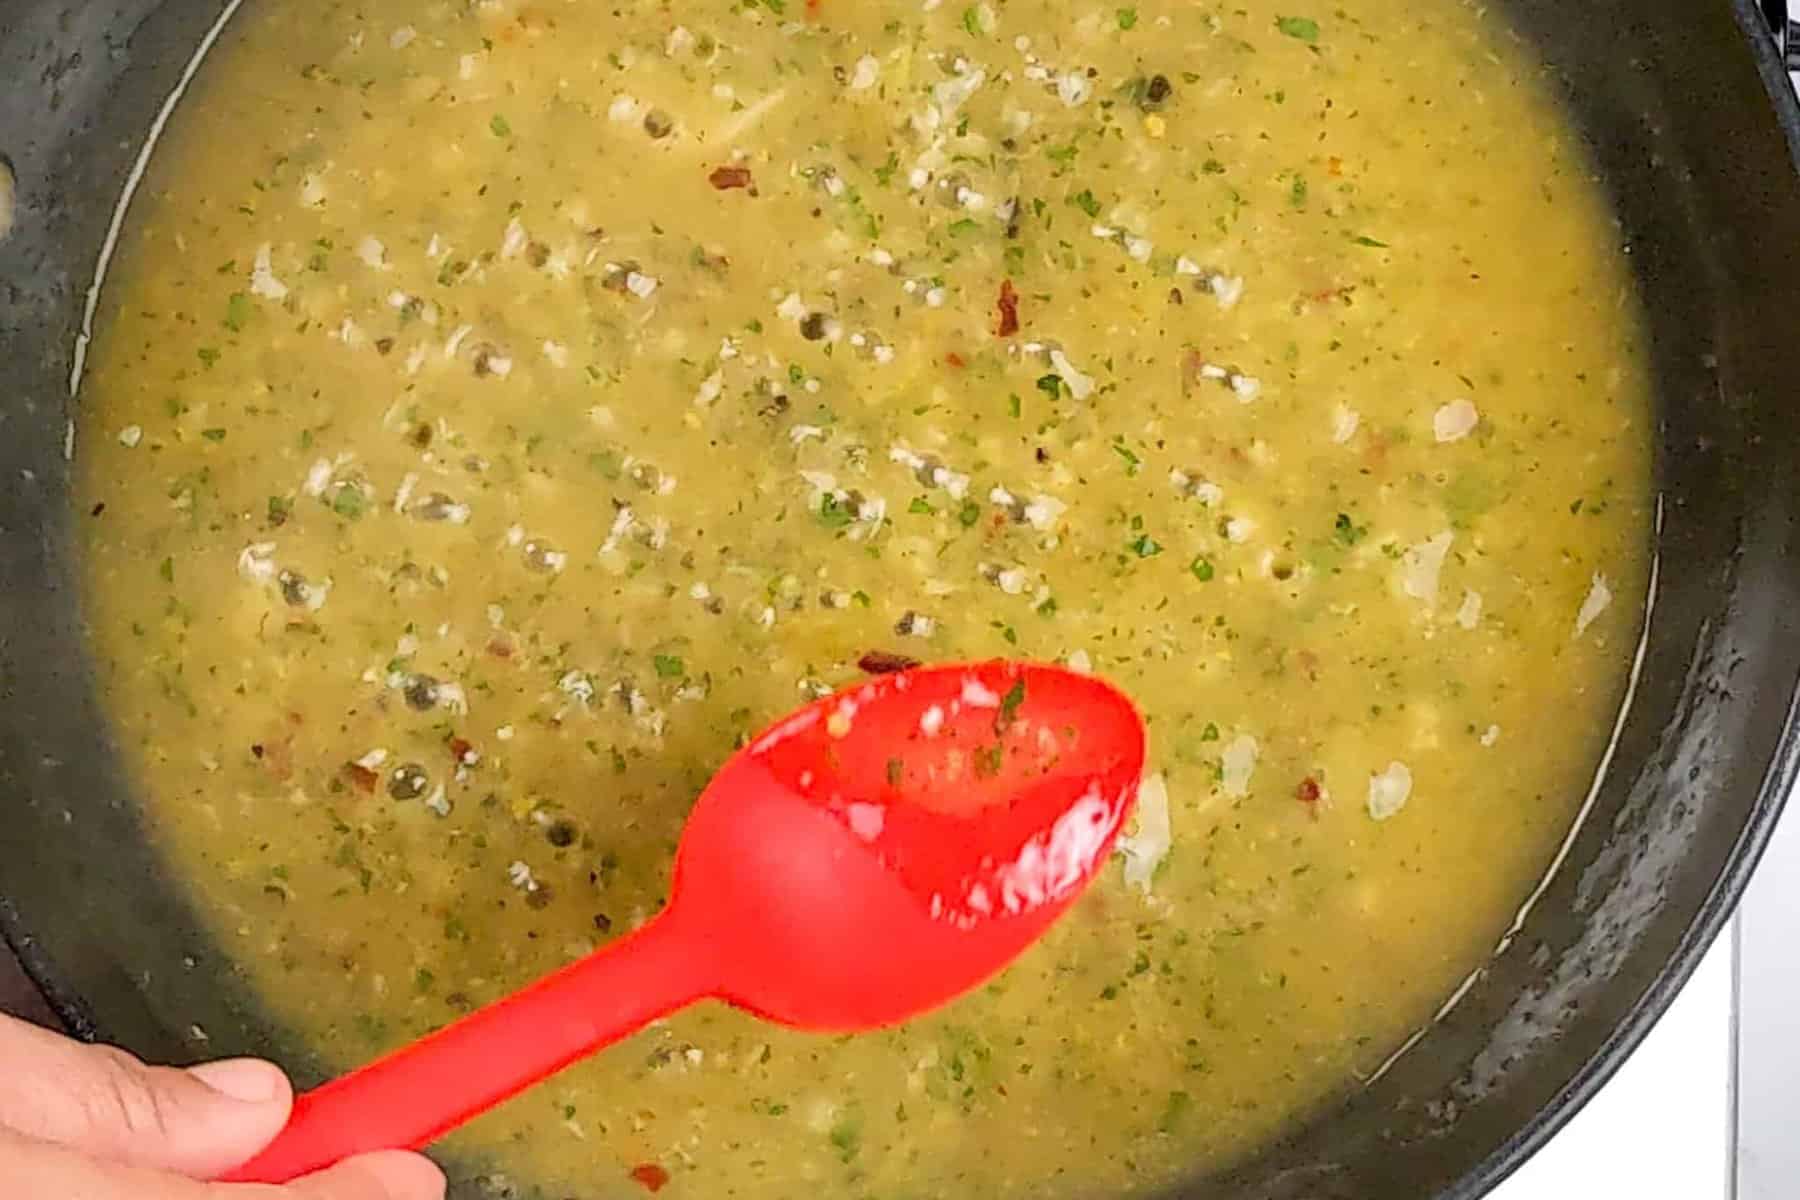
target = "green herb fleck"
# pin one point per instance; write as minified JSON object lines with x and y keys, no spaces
{"x":1084,"y":200}
{"x":237,"y":311}
{"x":834,"y":513}
{"x":501,"y":126}
{"x":1127,"y":18}
{"x":921,"y":505}
{"x":1303,"y":28}
{"x":208,"y":356}
{"x":669,"y":666}
{"x":969,"y":513}
{"x":1347,"y":531}
{"x":988,"y":760}
{"x":213,"y":435}
{"x":1145,"y":546}
{"x":1133,"y":464}
{"x":846,"y":1137}
{"x":972,"y":21}
{"x":1050,"y":385}
{"x":1365,"y":240}
{"x":347,"y":502}
{"x":1009,"y":705}
{"x":1201,"y":569}
{"x":167,"y":570}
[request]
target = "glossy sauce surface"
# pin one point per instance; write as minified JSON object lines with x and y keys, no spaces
{"x":502,"y":409}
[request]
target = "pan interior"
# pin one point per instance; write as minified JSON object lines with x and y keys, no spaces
{"x":409,"y":526}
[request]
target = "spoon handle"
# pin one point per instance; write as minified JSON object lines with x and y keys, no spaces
{"x":411,"y":1096}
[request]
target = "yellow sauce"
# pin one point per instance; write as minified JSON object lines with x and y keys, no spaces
{"x":504,"y":408}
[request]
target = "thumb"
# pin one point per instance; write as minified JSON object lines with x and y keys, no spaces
{"x":106,"y":1104}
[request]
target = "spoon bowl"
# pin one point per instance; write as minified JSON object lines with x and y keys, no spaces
{"x":915,"y":833}
{"x":869,"y":857}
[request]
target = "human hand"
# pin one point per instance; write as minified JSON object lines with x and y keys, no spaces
{"x":84,"y":1122}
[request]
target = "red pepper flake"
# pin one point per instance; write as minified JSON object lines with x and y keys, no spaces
{"x":812,"y":8}
{"x":1342,"y":291}
{"x":1191,"y":362}
{"x":955,"y":360}
{"x":462,"y":751}
{"x":726,"y":178}
{"x":882,"y":662}
{"x":362,"y":777}
{"x":652,"y":1176}
{"x":1008,"y":307}
{"x":1308,"y":792}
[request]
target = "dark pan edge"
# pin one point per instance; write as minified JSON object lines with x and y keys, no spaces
{"x":1777,"y":785}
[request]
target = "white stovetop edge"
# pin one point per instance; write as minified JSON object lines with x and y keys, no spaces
{"x":1660,"y":1129}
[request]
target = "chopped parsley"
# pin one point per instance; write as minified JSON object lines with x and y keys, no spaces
{"x":348,"y":503}
{"x":1304,"y":29}
{"x":237,"y":311}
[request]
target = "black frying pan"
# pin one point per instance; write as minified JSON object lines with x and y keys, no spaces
{"x":1693,"y":130}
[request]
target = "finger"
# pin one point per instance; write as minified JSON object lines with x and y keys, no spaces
{"x":106,"y":1104}
{"x":394,"y":1175}
{"x":33,"y":1170}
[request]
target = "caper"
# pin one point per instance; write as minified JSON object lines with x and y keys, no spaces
{"x":408,"y":782}
{"x":294,"y":589}
{"x":422,"y":692}
{"x":438,"y":507}
{"x":1156,"y":93}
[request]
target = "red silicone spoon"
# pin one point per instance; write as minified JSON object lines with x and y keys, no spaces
{"x":872,"y":856}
